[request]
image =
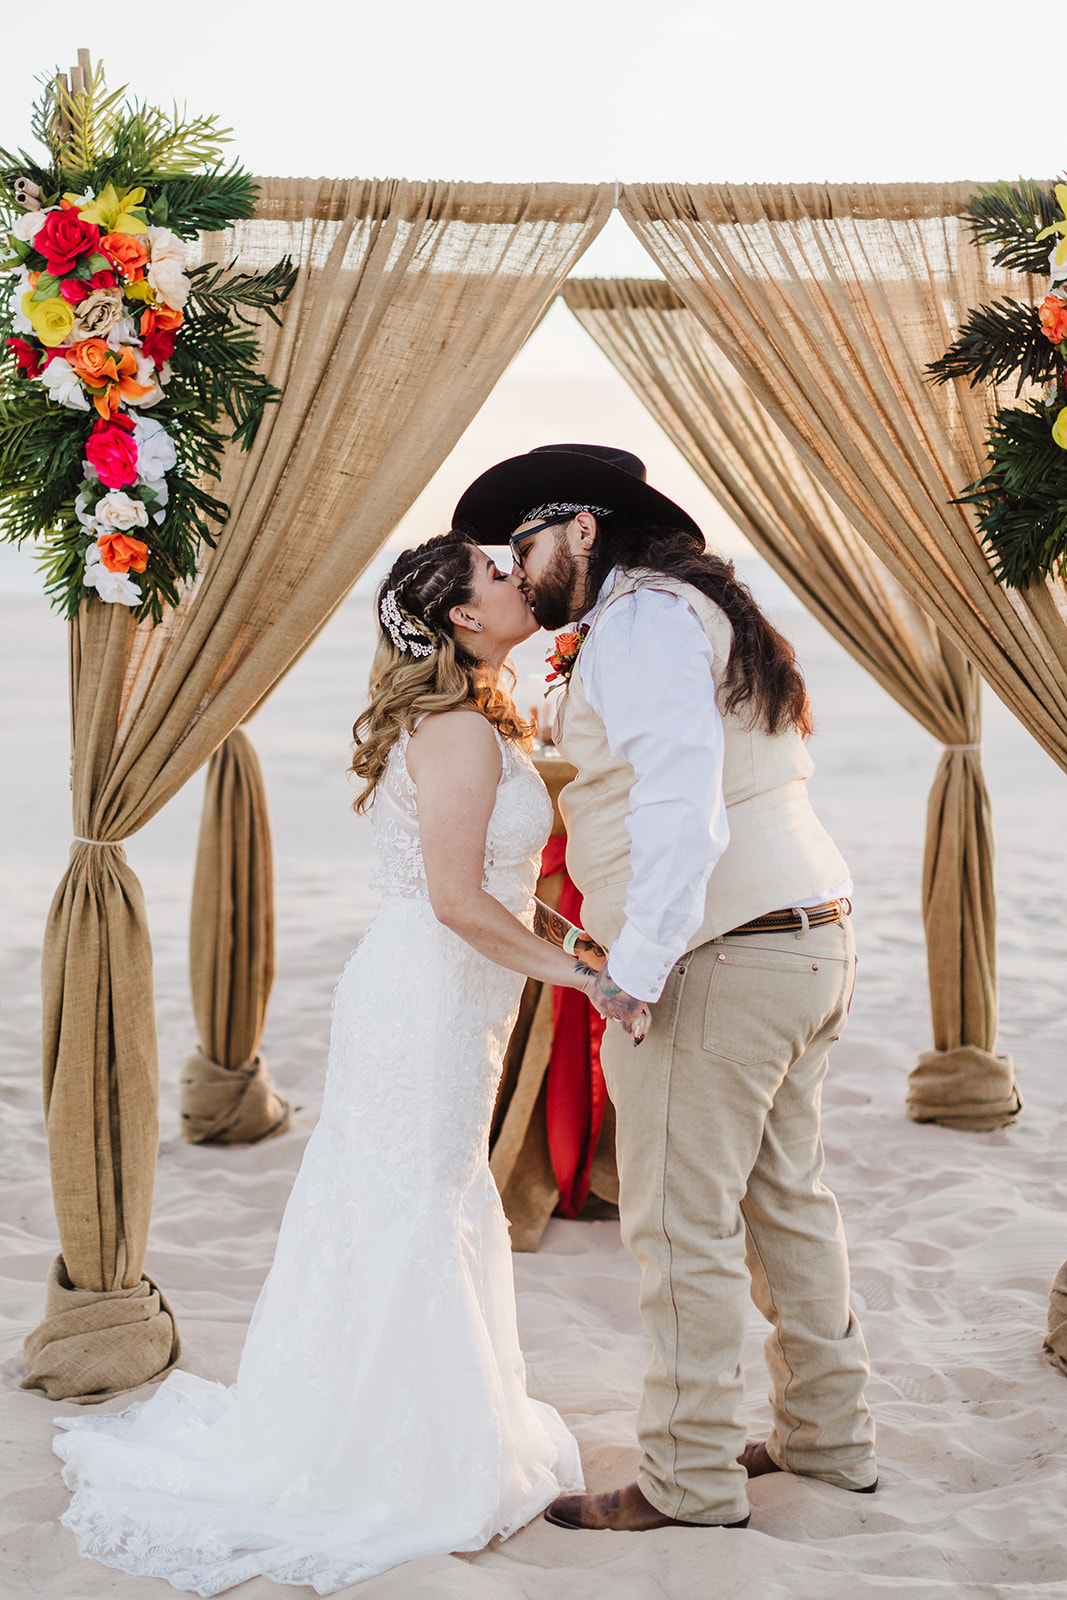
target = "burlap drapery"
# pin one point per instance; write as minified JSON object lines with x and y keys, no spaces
{"x":830,"y":301}
{"x":227,"y":1096}
{"x":411,"y":300}
{"x":726,"y":435}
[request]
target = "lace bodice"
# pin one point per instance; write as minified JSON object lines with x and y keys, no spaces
{"x":519,"y":825}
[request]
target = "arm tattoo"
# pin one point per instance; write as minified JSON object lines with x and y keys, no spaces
{"x":549,"y":924}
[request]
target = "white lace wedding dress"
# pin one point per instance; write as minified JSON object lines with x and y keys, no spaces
{"x":380,"y":1411}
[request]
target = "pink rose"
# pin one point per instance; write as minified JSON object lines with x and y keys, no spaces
{"x":113,"y":452}
{"x":63,"y":239}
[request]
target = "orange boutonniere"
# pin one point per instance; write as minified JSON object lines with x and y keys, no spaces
{"x":563,"y":656}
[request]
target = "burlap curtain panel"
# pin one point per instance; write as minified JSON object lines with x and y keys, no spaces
{"x":227,"y":1096}
{"x":830,"y":301}
{"x":689,"y":386}
{"x":410,"y":302}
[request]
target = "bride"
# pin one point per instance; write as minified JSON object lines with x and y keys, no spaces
{"x":380,"y":1411}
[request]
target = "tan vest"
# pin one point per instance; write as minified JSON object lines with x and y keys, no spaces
{"x":779,"y":852}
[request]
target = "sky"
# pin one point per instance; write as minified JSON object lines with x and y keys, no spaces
{"x":570,"y":90}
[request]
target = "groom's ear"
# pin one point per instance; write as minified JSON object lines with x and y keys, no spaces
{"x":587,"y":530}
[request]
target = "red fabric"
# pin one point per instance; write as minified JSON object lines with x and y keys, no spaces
{"x":576,"y":1094}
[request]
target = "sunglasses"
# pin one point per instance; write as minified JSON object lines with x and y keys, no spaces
{"x":519,"y":541}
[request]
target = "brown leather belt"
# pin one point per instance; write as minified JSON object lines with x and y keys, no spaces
{"x":792,"y":921}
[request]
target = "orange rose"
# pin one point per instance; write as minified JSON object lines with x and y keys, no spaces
{"x":94,"y":361}
{"x":1053,"y":314}
{"x":126,"y":253}
{"x":567,"y":643}
{"x":121,"y":553}
{"x":166,"y":318}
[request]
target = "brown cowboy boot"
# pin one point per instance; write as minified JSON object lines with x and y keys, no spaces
{"x":756,"y":1462}
{"x":621,"y":1510}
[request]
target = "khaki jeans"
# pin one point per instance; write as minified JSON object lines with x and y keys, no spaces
{"x":721,"y":1195}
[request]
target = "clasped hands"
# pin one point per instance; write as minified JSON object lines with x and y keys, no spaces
{"x":618,"y":1006}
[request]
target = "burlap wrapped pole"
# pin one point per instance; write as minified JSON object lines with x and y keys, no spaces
{"x":227,"y":1096}
{"x":1056,"y":1341}
{"x":961,"y":1083}
{"x":410,"y":301}
{"x":679,"y":372}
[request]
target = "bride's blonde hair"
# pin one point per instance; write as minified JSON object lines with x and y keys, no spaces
{"x":418,"y":666}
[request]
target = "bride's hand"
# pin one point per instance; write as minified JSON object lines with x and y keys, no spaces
{"x":614,"y":1003}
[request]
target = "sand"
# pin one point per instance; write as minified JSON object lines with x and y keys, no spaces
{"x":953,"y":1237}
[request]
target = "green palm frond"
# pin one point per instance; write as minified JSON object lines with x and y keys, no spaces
{"x":220,"y":290}
{"x":171,"y":146}
{"x":998,"y":342}
{"x":1010,"y":216}
{"x":1022,"y":499}
{"x":92,"y":117}
{"x":205,"y":200}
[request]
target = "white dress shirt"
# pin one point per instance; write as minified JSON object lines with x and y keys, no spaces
{"x":646,"y":672}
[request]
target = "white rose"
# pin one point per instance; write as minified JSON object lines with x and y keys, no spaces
{"x":114,"y":587}
{"x":169,"y":282}
{"x":116,"y":513}
{"x":147,"y":378}
{"x":165,"y":246}
{"x":27,"y":226}
{"x":155,"y":449}
{"x":63,"y":385}
{"x":166,"y":258}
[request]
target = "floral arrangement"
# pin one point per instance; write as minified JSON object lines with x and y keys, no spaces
{"x":122,"y":362}
{"x":1022,"y":497}
{"x":562,"y":657}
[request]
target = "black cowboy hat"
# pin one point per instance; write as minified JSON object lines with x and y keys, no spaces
{"x":580,"y":474}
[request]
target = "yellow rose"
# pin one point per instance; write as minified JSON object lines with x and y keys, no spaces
{"x":1059,"y":429}
{"x":141,"y":290}
{"x":53,"y":320}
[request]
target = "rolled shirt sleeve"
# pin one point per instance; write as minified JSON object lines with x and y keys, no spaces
{"x":646,"y":671}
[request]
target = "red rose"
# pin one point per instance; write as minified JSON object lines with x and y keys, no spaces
{"x":28,"y":358}
{"x":63,"y":239}
{"x":73,"y":290}
{"x":113,"y":453}
{"x":158,"y":346}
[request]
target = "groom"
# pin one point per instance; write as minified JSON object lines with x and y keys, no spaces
{"x":722,"y":902}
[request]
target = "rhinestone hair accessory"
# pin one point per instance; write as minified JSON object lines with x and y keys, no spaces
{"x":404,"y":632}
{"x":559,"y":508}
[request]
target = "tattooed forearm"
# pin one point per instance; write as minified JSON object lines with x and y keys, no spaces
{"x":548,"y":924}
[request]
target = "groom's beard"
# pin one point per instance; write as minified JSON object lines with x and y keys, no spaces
{"x":560,"y":592}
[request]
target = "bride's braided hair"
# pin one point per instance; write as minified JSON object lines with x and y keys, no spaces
{"x":418,"y":666}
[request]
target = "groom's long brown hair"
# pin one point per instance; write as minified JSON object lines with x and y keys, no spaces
{"x":762,"y":676}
